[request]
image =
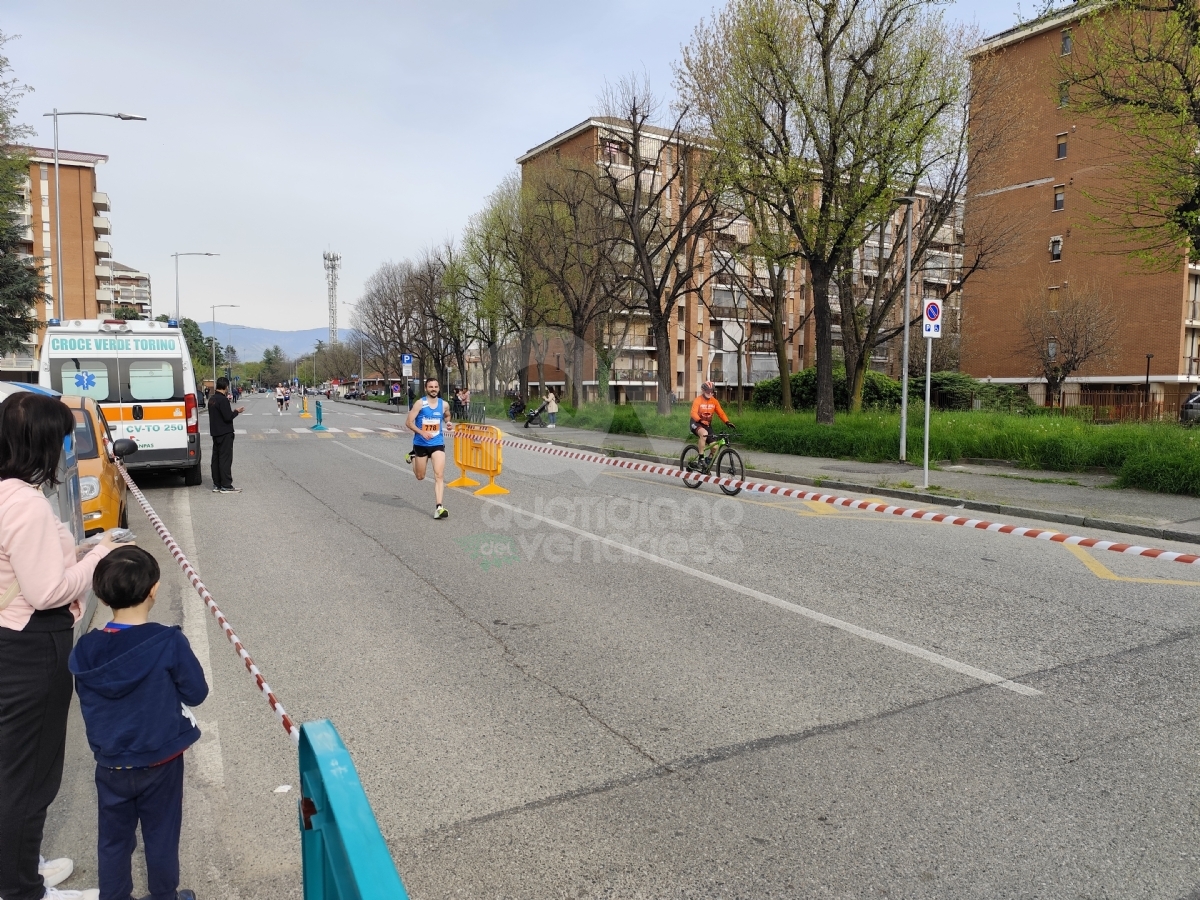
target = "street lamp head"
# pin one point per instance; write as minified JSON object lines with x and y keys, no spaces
{"x":130,"y":117}
{"x":906,"y":201}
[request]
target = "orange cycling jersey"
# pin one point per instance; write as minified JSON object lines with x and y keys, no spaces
{"x":703,"y":409}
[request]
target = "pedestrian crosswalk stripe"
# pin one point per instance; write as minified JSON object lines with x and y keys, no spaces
{"x":239,"y":431}
{"x":364,"y":430}
{"x":300,"y":430}
{"x":392,"y":430}
{"x":271,"y":431}
{"x":334,"y":430}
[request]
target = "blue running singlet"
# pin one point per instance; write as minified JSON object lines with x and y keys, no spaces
{"x":429,"y":424}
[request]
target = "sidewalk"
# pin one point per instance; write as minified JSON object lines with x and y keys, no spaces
{"x":1067,"y":498}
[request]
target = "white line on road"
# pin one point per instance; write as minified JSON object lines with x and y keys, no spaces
{"x":849,"y":627}
{"x":207,"y":755}
{"x":270,"y":431}
{"x":239,"y":431}
{"x":364,"y":430}
{"x":300,"y":430}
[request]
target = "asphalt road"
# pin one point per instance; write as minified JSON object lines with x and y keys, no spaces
{"x":765,"y":698}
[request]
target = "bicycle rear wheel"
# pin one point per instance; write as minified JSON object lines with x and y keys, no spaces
{"x":729,"y":465}
{"x":689,"y":465}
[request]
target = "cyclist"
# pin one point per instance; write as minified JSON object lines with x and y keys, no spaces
{"x":703,"y":408}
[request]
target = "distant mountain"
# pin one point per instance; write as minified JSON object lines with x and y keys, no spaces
{"x":251,"y":342}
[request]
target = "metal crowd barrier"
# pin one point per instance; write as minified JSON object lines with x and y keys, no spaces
{"x":477,"y":448}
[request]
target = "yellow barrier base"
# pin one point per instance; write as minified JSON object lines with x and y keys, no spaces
{"x":305,"y":414}
{"x":490,"y":488}
{"x":463,"y":481}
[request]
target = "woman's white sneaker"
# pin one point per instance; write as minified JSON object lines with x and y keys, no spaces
{"x":55,"y":871}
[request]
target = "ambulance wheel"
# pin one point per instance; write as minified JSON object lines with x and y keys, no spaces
{"x":193,"y":476}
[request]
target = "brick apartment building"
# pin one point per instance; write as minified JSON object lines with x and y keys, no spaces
{"x":707,"y":325}
{"x":85,"y":250}
{"x":1055,"y":160}
{"x":712,"y":323}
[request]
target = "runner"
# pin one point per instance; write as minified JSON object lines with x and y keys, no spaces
{"x":279,"y":397}
{"x":427,"y":420}
{"x":287,"y":398}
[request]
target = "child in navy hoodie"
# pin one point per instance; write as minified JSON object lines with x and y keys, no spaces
{"x":135,"y":680}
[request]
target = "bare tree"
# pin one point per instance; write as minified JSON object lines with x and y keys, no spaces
{"x":385,"y":318}
{"x":828,"y":110}
{"x":656,"y":182}
{"x":1066,"y":328}
{"x":571,"y":239}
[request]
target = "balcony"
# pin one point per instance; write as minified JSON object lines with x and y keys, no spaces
{"x":633,"y":375}
{"x":103,"y":251}
{"x":104,"y":297}
{"x":103,"y":272}
{"x":102,"y":225}
{"x":1191,"y":365}
{"x":760,"y":345}
{"x":1193,"y":314}
{"x":100,"y":202}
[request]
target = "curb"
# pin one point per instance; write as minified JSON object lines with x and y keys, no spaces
{"x":369,"y":404}
{"x":1041,"y":515}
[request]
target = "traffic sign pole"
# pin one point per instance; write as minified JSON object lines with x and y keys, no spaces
{"x":931,"y":325}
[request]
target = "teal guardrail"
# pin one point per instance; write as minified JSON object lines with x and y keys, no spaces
{"x":345,"y":856}
{"x":319,"y":426}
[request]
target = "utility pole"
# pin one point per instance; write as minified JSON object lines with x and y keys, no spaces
{"x":333,"y":262}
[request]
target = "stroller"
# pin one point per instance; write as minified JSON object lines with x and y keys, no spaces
{"x":535,"y":417}
{"x":516,"y":408}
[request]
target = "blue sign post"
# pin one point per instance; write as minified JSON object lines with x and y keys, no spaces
{"x":345,"y":856}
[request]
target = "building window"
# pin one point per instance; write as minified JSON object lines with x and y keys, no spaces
{"x":679,"y":350}
{"x":1052,"y":298}
{"x":679,"y":379}
{"x":1056,"y":248}
{"x":1064,"y":93}
{"x":718,"y":337}
{"x":1066,"y":42}
{"x":1060,"y":197}
{"x":1061,"y":152}
{"x":699,"y":367}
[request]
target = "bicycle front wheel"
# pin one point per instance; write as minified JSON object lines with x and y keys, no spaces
{"x":729,"y":465}
{"x":689,"y":465}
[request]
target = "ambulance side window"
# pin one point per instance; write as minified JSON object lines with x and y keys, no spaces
{"x":93,"y":378}
{"x":154,"y":379}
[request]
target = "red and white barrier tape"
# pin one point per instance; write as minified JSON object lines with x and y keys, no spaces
{"x":847,"y":503}
{"x":188,"y":571}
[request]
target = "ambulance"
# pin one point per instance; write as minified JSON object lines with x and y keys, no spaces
{"x":141,"y":375}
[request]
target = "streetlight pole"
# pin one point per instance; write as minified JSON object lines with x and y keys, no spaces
{"x":177,"y":255}
{"x":215,"y":307}
{"x":124,"y":117}
{"x":1149,"y":356}
{"x":908,"y":205}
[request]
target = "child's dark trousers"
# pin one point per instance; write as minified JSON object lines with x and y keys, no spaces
{"x":153,"y":796}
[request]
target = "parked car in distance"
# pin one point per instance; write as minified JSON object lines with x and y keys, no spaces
{"x":1189,"y":413}
{"x":102,"y":492}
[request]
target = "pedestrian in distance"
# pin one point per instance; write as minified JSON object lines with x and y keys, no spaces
{"x":279,"y":397}
{"x":428,"y":420}
{"x":220,"y":425}
{"x":136,"y":680}
{"x":206,"y":395}
{"x":42,"y":593}
{"x":551,"y":407}
{"x":287,"y":399}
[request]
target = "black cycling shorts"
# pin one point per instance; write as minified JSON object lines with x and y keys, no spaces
{"x":695,"y":424}
{"x":420,"y":450}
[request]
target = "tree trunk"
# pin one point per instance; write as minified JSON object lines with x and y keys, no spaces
{"x":526,"y":343}
{"x":663,"y":362}
{"x":739,"y":373}
{"x":823,"y":317}
{"x":576,"y":386}
{"x":785,"y":375}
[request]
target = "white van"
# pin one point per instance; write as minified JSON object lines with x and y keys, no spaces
{"x":141,"y":375}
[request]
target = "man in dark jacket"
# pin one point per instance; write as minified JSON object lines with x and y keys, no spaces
{"x":220,"y":426}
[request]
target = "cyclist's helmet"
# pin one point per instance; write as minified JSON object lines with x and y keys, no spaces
{"x":708,"y":387}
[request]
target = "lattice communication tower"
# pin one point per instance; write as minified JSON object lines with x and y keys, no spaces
{"x":333,"y":262}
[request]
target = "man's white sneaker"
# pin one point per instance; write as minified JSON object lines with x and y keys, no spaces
{"x":56,"y":894}
{"x":55,"y":871}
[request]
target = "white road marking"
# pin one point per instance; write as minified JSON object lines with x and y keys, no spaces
{"x":300,"y":430}
{"x":849,"y":627}
{"x":270,"y":431}
{"x":393,"y":430}
{"x":207,"y":757}
{"x":364,"y":430}
{"x":239,"y":431}
{"x":335,"y":430}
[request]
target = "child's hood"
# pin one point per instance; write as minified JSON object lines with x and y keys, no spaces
{"x":114,"y":677}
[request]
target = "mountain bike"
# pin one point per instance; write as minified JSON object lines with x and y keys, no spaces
{"x":718,"y":459}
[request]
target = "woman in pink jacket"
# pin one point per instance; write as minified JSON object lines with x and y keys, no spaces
{"x":42,"y":590}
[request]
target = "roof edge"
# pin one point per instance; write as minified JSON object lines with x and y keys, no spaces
{"x":1037,"y":26}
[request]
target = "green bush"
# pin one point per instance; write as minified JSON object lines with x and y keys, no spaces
{"x":879,"y":391}
{"x":1166,"y":473}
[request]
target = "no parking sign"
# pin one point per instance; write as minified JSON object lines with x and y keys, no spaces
{"x":931,"y":322}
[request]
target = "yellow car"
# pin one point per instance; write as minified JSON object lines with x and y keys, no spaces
{"x":101,"y":487}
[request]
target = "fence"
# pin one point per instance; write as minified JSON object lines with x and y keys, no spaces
{"x":475,"y":412}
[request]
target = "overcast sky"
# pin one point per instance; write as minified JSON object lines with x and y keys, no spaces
{"x":278,"y":130}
